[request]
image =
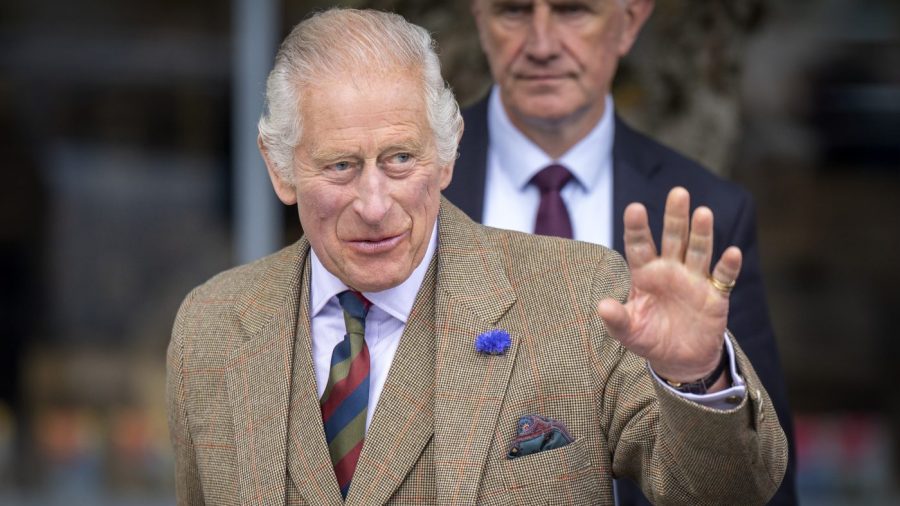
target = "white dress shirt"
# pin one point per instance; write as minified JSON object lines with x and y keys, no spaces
{"x":384,"y":323}
{"x":511,"y":203}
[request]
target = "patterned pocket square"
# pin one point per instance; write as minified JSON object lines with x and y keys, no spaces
{"x":536,"y":433}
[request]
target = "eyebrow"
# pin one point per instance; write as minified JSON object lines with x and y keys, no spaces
{"x":410,"y":145}
{"x":327,"y":155}
{"x":324,"y":155}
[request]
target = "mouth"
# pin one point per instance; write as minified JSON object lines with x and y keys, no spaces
{"x":543,"y":77}
{"x":377,"y":245}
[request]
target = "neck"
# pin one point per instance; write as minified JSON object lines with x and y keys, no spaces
{"x":556,"y":136}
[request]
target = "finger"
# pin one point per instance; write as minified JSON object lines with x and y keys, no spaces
{"x":616,"y":318}
{"x":675,"y":224}
{"x":699,"y":250}
{"x":639,"y":245}
{"x":729,"y":266}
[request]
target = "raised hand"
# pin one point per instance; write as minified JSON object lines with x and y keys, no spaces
{"x":676,"y":312}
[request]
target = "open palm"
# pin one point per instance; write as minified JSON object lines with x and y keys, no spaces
{"x":674,"y":317}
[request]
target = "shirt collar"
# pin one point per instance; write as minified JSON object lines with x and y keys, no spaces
{"x":396,"y":301}
{"x":521,"y":158}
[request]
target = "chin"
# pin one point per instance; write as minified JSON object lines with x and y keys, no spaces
{"x":546,"y":108}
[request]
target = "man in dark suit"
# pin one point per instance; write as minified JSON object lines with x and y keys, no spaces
{"x":553,"y":63}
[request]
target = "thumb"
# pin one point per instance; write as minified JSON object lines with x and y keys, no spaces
{"x":617,"y":319}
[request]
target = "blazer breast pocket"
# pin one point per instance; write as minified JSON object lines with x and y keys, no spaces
{"x":570,"y":462}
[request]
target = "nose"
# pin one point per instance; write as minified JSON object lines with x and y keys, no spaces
{"x":373,"y":200}
{"x":542,"y":44}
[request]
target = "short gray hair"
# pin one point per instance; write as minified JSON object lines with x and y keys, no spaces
{"x":341,"y":40}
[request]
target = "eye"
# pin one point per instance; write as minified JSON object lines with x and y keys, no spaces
{"x":399,"y":163}
{"x":341,"y":166}
{"x":401,"y":158}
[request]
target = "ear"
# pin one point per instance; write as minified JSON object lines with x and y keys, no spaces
{"x":447,"y":171}
{"x":284,"y":189}
{"x":477,"y":10}
{"x":636,"y":14}
{"x":447,"y":174}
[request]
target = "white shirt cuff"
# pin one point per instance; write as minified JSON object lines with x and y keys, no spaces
{"x":725,"y":399}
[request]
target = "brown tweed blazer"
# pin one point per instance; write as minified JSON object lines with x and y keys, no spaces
{"x":246,"y":426}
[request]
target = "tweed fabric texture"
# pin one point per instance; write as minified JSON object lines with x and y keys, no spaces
{"x":244,"y":414}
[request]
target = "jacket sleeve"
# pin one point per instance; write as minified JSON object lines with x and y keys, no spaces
{"x":187,"y":477}
{"x":680,"y":452}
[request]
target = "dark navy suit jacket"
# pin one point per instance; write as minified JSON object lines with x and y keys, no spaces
{"x":644,"y":171}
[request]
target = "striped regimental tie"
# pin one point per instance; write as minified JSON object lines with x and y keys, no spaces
{"x":346,"y":396}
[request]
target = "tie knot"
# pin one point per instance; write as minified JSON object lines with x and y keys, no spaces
{"x":551,"y":178}
{"x":354,"y":303}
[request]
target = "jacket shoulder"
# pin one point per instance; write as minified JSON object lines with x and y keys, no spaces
{"x":671,"y":168}
{"x":537,"y":262}
{"x":551,"y":266}
{"x":233,"y":282}
{"x":220,"y":298}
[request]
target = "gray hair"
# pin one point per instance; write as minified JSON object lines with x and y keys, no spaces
{"x":336,"y":41}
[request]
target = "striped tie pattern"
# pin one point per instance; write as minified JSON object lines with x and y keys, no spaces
{"x":344,"y":403}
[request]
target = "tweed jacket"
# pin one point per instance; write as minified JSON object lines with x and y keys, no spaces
{"x":246,"y":425}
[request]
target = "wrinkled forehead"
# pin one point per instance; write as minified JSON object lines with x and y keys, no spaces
{"x":361,"y":75}
{"x":361,"y":106}
{"x":348,"y":87}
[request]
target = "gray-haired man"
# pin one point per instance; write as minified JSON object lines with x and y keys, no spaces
{"x":401,"y":353}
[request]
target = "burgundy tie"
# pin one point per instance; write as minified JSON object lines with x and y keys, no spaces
{"x":552,"y":215}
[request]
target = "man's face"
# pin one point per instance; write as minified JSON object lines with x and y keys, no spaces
{"x":554,"y":60}
{"x":366,"y":179}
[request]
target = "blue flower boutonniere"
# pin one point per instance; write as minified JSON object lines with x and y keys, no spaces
{"x":492,"y":342}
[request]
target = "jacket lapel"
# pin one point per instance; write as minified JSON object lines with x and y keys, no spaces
{"x":473,"y":293}
{"x":258,"y":375}
{"x":403,"y":422}
{"x":308,"y":461}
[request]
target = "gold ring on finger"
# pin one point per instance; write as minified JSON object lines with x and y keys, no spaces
{"x":723,"y":287}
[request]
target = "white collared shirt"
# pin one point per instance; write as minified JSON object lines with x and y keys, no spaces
{"x":384,"y":323}
{"x":511,"y":203}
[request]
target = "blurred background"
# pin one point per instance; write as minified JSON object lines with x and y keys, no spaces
{"x":130,"y":175}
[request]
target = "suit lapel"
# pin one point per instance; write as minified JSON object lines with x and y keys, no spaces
{"x":473,"y":293}
{"x":403,"y":422}
{"x":633,"y":171}
{"x":258,"y":379}
{"x":308,"y":461}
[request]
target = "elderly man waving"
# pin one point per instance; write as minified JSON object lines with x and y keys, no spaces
{"x":401,"y":353}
